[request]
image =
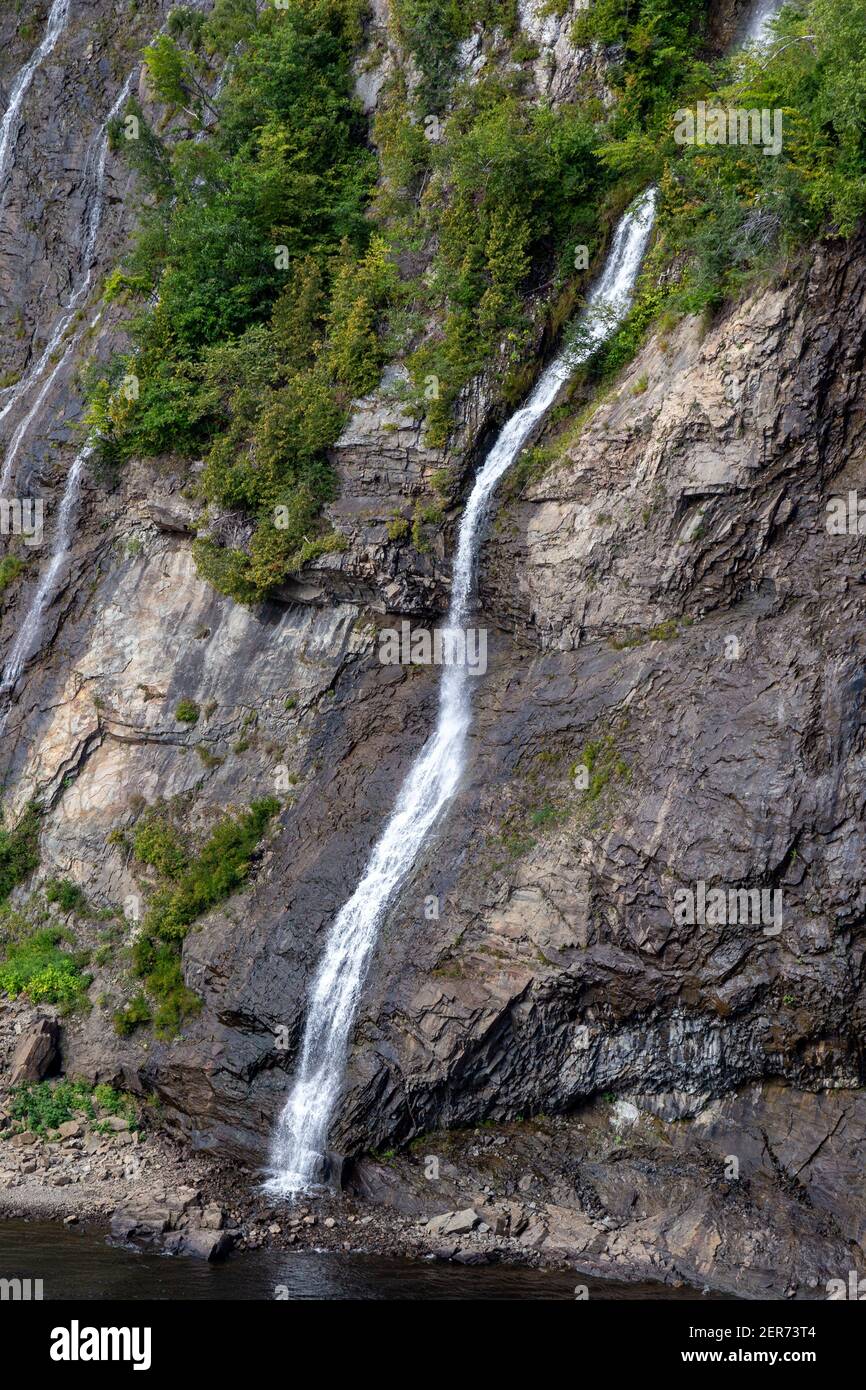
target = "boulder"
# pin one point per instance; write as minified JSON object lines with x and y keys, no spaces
{"x":212,"y":1217}
{"x":199,"y":1244}
{"x":37,"y":1055}
{"x":453,"y":1223}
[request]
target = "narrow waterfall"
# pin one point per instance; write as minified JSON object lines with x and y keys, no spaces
{"x":55,"y":25}
{"x":301,"y":1137}
{"x":94,"y":170}
{"x":94,"y":183}
{"x":297,"y":1159}
{"x":27,"y":639}
{"x":31,"y":626}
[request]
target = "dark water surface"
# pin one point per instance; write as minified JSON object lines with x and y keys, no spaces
{"x":79,"y":1263}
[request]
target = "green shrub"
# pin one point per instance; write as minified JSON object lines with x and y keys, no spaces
{"x":39,"y":968}
{"x":193,"y":885}
{"x":19,"y":851}
{"x":187,"y":712}
{"x":10,"y":568}
{"x":45,"y":1105}
{"x":68,"y":896}
{"x":132,"y":1015}
{"x":157,"y":844}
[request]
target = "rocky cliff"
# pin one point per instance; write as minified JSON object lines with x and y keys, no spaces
{"x":674,"y":698}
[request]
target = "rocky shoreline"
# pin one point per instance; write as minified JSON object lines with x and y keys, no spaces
{"x":612,"y":1192}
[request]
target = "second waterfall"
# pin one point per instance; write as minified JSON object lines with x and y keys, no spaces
{"x":297,"y":1158}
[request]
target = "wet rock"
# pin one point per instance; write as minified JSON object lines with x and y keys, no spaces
{"x":199,"y":1244}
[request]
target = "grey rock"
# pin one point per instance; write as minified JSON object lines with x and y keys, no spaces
{"x":453,"y":1223}
{"x":37,"y":1055}
{"x":199,"y":1244}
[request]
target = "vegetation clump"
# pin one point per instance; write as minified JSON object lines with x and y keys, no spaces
{"x":296,"y":252}
{"x":45,"y":1105}
{"x":189,"y":885}
{"x":19,"y":850}
{"x":187,"y":712}
{"x":39,"y":967}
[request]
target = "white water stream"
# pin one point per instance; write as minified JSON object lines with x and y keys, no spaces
{"x":9,"y":126}
{"x":31,"y":627}
{"x":757,"y":29}
{"x":297,"y":1160}
{"x":301,"y":1137}
{"x":94,"y":180}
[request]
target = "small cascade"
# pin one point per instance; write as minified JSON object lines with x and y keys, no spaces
{"x":31,"y":627}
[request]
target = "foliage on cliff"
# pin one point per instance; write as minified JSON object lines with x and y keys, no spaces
{"x":19,"y":850}
{"x":266,"y":280}
{"x":287,"y":261}
{"x":189,"y":884}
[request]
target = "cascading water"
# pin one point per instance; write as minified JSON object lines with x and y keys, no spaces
{"x":297,"y":1158}
{"x":757,"y":29}
{"x":301,"y":1136}
{"x":29,"y":631}
{"x":94,"y":181}
{"x":95,"y":161}
{"x":57,"y":19}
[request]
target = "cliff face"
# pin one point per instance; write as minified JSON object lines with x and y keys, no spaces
{"x":665,"y":608}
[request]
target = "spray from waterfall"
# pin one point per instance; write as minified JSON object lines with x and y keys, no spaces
{"x":297,"y":1158}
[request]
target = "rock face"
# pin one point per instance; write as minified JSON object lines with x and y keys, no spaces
{"x":674,"y":705}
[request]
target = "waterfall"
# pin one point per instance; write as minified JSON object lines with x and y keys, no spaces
{"x":57,"y":18}
{"x":757,"y":29}
{"x":94,"y":179}
{"x":301,"y":1136}
{"x":94,"y":170}
{"x":95,"y":161}
{"x":29,"y":631}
